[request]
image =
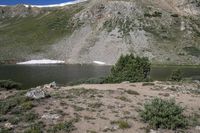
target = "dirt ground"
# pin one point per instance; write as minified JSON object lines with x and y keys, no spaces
{"x":99,"y":108}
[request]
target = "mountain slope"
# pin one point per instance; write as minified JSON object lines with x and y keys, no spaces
{"x":165,"y":31}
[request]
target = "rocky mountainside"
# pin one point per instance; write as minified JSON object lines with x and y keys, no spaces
{"x":165,"y":31}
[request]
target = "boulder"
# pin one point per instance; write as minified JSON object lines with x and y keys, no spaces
{"x":125,"y":82}
{"x":153,"y":131}
{"x":41,"y":91}
{"x":8,"y":126}
{"x":52,"y":85}
{"x":197,"y":128}
{"x":36,"y":93}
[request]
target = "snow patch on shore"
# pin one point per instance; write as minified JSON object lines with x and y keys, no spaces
{"x":43,"y":61}
{"x":99,"y":62}
{"x":53,"y":5}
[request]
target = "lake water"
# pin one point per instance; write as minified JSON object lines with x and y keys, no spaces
{"x":34,"y":75}
{"x":33,"y":2}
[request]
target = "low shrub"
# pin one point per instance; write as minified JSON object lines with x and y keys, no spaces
{"x":154,"y":14}
{"x":13,"y":103}
{"x":132,"y":92}
{"x":27,"y":105}
{"x":122,"y":124}
{"x":148,"y":84}
{"x":66,"y":127}
{"x":95,"y":105}
{"x":3,"y":118}
{"x":8,"y":84}
{"x":30,"y":116}
{"x":164,"y":114}
{"x":35,"y":128}
{"x":5,"y":130}
{"x":176,"y":75}
{"x":99,"y":80}
{"x":194,"y":51}
{"x":194,"y":119}
{"x":175,"y":15}
{"x":123,"y":98}
{"x":14,"y":120}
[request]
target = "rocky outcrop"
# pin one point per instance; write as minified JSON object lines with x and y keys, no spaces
{"x":41,"y":91}
{"x":163,"y":31}
{"x":36,"y":93}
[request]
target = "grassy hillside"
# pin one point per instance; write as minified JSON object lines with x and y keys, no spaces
{"x":20,"y":37}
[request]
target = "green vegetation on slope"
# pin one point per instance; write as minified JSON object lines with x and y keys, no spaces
{"x":20,"y":37}
{"x":192,"y":51}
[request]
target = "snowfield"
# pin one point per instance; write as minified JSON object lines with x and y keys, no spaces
{"x":99,"y":62}
{"x":43,"y":61}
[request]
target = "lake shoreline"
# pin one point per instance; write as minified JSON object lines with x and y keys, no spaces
{"x":38,"y":74}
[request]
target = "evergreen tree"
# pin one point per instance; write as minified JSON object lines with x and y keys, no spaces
{"x":130,"y":68}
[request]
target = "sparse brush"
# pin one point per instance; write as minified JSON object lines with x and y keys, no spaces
{"x":164,"y":114}
{"x":121,"y":123}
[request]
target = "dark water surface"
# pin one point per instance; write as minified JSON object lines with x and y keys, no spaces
{"x":34,"y":75}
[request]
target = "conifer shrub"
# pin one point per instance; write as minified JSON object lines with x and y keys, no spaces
{"x":176,"y":75}
{"x":130,"y":68}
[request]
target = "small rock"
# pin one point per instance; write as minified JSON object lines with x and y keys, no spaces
{"x":36,"y":93}
{"x":153,"y":131}
{"x":196,"y":81}
{"x":51,"y":116}
{"x":9,"y":126}
{"x":197,"y":128}
{"x":164,"y":94}
{"x":106,"y":129}
{"x":121,"y":106}
{"x":115,"y":127}
{"x":52,"y":85}
{"x":125,"y":82}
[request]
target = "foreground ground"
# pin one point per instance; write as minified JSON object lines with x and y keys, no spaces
{"x":96,"y":108}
